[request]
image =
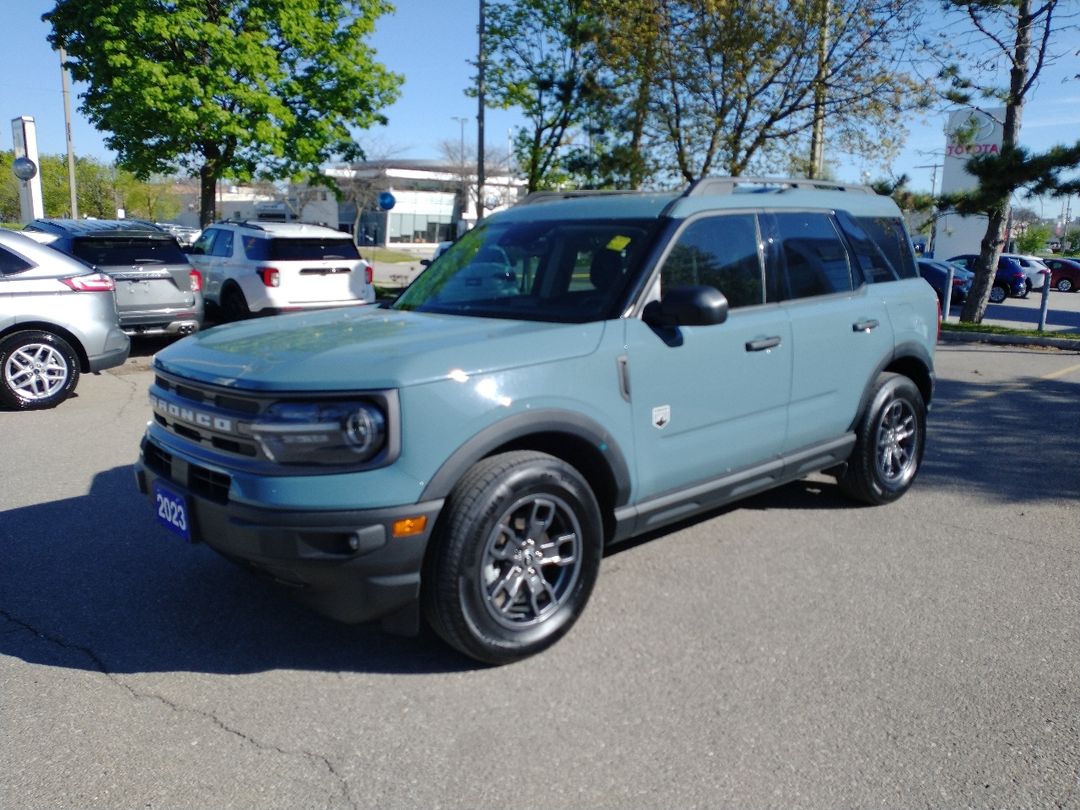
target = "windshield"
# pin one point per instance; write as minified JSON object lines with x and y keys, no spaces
{"x":562,"y":271}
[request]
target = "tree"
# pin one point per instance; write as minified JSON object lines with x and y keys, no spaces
{"x":740,"y":88}
{"x":225,"y":87}
{"x":540,"y":57}
{"x":1021,"y":35}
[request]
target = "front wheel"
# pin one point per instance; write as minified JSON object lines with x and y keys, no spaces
{"x":37,"y":370}
{"x":998,"y":293}
{"x":889,"y":443}
{"x":515,"y":558}
{"x":1065,"y":285}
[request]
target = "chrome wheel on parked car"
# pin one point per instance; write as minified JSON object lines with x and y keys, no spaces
{"x":37,"y":370}
{"x":897,"y":443}
{"x":1065,"y":285}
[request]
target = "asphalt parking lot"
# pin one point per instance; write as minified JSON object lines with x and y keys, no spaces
{"x":792,"y":651}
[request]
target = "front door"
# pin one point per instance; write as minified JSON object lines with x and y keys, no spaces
{"x":710,"y":400}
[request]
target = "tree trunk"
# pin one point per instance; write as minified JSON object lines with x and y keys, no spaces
{"x":990,"y":248}
{"x":207,"y":195}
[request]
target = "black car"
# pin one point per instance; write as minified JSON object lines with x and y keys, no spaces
{"x":936,"y":274}
{"x":158,"y":292}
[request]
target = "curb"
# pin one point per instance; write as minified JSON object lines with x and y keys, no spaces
{"x":1008,"y":340}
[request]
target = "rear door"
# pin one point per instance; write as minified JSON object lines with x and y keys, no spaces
{"x":150,"y":271}
{"x":841,"y":331}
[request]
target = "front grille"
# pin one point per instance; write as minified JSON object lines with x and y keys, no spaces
{"x":157,"y":459}
{"x":211,"y":485}
{"x":206,"y":416}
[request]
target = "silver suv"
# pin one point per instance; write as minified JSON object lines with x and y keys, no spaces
{"x":57,"y":319}
{"x":271,"y":267}
{"x":158,"y":292}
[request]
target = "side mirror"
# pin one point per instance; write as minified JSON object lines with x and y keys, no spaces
{"x":687,"y":306}
{"x":425,"y":262}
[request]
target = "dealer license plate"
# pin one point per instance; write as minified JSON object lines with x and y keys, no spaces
{"x":172,"y":510}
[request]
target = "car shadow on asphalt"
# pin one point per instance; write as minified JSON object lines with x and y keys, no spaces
{"x":93,"y":583}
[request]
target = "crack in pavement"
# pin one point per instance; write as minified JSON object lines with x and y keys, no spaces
{"x":99,"y":665}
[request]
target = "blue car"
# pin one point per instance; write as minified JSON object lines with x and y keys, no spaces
{"x":936,"y":274}
{"x":1009,"y":280}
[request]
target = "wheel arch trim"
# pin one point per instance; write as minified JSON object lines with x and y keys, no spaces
{"x":517,"y":431}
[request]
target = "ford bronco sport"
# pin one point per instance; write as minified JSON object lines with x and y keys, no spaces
{"x":575,"y":371}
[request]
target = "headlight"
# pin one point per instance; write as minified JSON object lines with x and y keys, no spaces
{"x":324,"y":433}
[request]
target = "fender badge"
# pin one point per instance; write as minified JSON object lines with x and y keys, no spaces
{"x":661,"y":415}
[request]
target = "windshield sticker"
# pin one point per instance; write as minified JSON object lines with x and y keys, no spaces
{"x":618,"y":243}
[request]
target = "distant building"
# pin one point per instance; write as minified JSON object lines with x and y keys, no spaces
{"x":434,"y":201}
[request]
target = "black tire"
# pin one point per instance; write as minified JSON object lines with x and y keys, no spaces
{"x":998,"y":293}
{"x":889,"y":443}
{"x":1065,"y":285}
{"x":1027,"y":287}
{"x":234,"y":305}
{"x":515,"y":557}
{"x":37,"y":370}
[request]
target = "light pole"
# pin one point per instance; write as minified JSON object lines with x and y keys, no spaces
{"x":67,"y":130}
{"x":463,"y":168}
{"x":480,"y":121}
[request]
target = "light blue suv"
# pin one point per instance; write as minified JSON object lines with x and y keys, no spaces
{"x":576,"y":371}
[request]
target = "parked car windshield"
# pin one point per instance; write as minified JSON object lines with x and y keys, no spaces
{"x":563,"y":271}
{"x":128,"y":250}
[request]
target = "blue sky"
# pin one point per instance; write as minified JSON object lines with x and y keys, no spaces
{"x":430,"y":42}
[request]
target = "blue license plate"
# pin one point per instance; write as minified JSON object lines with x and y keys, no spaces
{"x":172,"y":510}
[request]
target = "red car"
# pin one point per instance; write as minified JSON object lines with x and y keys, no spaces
{"x":1065,"y":275}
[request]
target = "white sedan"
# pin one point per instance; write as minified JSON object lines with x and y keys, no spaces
{"x":1034,"y":268}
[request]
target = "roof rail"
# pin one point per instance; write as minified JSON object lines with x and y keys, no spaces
{"x":726,"y":185}
{"x":546,"y":196}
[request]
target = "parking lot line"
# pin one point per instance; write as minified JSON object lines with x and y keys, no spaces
{"x":1053,"y":375}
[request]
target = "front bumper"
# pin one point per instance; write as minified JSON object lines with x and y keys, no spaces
{"x":345,"y":564}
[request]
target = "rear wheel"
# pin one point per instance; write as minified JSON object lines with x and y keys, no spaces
{"x":37,"y":370}
{"x":998,"y":293}
{"x":889,"y":443}
{"x":516,"y":557}
{"x":233,"y":303}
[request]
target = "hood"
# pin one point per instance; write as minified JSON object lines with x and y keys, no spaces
{"x":367,"y":347}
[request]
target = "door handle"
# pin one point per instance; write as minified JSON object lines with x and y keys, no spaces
{"x":865,"y":325}
{"x":761,"y":344}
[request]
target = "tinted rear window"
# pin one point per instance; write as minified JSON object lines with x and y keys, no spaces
{"x":127,"y":250}
{"x":304,"y":250}
{"x":889,"y":235}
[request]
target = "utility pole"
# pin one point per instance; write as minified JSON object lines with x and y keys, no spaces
{"x":933,"y":194}
{"x":67,"y":129}
{"x":480,"y":121}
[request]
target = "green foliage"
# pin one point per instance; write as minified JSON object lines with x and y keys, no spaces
{"x":1033,"y":239}
{"x":540,"y":57}
{"x":685,"y":88}
{"x":226,"y":87}
{"x":101,"y":191}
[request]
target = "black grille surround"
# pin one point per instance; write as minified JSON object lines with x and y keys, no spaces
{"x":210,"y":422}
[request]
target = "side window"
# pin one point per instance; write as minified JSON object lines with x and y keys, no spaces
{"x":205,"y":243}
{"x":10,"y":263}
{"x":223,"y":244}
{"x":814,"y":255}
{"x":874,"y":266}
{"x":721,"y":252}
{"x":255,"y":249}
{"x":889,"y":234}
